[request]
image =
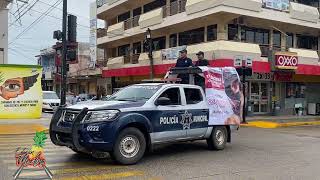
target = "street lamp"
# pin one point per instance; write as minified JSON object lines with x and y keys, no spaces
{"x":149,"y":47}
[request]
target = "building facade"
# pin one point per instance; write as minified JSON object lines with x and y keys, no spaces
{"x":281,"y":37}
{"x":4,"y":31}
{"x":47,"y":60}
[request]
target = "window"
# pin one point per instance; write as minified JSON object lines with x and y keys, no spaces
{"x":276,"y":39}
{"x":124,"y":50}
{"x":173,"y":40}
{"x":153,"y":5}
{"x":137,"y":11}
{"x":254,"y":35}
{"x":137,"y":48}
{"x":191,"y":37}
{"x":212,"y":33}
{"x":159,"y":43}
{"x":296,"y":90}
{"x":289,"y":40}
{"x":124,"y":16}
{"x":314,"y":3}
{"x":174,"y":95}
{"x":233,"y":32}
{"x":307,"y":42}
{"x":193,"y":96}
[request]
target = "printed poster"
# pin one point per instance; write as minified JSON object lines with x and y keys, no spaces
{"x":224,"y":98}
{"x":20,"y":92}
{"x":172,"y":53}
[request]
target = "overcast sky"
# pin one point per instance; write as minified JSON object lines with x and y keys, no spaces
{"x":23,"y":50}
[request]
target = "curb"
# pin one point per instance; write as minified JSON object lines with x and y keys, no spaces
{"x":271,"y":125}
{"x":15,"y":129}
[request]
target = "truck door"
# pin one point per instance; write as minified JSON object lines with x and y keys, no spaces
{"x":166,"y":118}
{"x":196,"y":106}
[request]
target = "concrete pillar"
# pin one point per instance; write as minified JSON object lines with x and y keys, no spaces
{"x":4,"y":36}
{"x":222,"y":30}
{"x":271,"y":39}
{"x":239,"y":33}
{"x":206,"y":34}
{"x":167,"y":40}
{"x":295,"y":44}
{"x":283,"y":42}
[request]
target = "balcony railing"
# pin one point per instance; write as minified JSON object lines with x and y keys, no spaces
{"x":131,"y":59}
{"x":131,"y":22}
{"x":101,"y":32}
{"x":173,"y":8}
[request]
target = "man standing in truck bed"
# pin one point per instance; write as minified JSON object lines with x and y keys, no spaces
{"x":184,"y":61}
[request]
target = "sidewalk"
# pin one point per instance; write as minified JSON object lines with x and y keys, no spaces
{"x":24,"y":126}
{"x":281,"y":121}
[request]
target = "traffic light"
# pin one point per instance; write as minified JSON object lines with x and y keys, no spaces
{"x":72,"y":28}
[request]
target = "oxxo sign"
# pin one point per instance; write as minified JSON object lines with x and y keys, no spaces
{"x":286,"y":60}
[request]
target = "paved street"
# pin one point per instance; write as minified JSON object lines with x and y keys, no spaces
{"x":283,"y":153}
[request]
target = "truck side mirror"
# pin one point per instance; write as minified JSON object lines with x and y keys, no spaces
{"x":163,"y":101}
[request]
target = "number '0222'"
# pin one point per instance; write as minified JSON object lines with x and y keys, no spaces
{"x":93,"y":128}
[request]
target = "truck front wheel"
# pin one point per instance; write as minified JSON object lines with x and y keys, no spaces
{"x":218,"y":138}
{"x":129,"y":147}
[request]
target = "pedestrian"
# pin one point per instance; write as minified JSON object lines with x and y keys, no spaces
{"x":184,"y":61}
{"x":74,"y":100}
{"x":201,"y":60}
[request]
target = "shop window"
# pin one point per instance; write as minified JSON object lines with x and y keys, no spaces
{"x":289,"y":43}
{"x":124,"y":50}
{"x":254,"y":35}
{"x":212,"y":33}
{"x":153,"y":5}
{"x":173,"y":40}
{"x":191,"y":37}
{"x":159,"y":43}
{"x":193,"y":96}
{"x":307,"y":42}
{"x":296,"y":90}
{"x":124,"y":16}
{"x":174,"y":95}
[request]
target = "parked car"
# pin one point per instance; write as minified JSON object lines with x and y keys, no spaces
{"x":51,"y":101}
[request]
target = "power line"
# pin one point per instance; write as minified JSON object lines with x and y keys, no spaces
{"x":36,"y":21}
{"x":20,"y":16}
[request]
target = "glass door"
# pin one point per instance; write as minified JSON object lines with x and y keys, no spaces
{"x":259,"y":95}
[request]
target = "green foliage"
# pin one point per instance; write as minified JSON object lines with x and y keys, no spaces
{"x":39,"y":139}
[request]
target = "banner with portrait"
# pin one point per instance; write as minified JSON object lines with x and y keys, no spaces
{"x":20,"y":91}
{"x":223,"y":94}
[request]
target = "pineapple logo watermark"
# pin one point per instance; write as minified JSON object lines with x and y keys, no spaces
{"x":32,"y":158}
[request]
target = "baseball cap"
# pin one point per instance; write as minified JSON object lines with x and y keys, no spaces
{"x":200,"y":53}
{"x":183,"y":51}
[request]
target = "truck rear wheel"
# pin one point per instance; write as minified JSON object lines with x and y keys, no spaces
{"x":130,"y":146}
{"x":218,"y":138}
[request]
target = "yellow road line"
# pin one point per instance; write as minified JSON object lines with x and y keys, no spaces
{"x":21,"y":128}
{"x":270,"y":125}
{"x":46,"y":147}
{"x":26,"y":144}
{"x":48,"y":158}
{"x":69,"y":171}
{"x":106,"y":176}
{"x":64,"y":164}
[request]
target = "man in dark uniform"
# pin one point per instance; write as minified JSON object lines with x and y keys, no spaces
{"x":199,"y":80}
{"x":201,"y":61}
{"x":184,"y":61}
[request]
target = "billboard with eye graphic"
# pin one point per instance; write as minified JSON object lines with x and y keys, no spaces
{"x":20,"y":91}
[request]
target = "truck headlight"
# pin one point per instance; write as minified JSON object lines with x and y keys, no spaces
{"x":99,"y":116}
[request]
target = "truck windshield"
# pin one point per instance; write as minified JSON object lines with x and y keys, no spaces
{"x":135,"y":93}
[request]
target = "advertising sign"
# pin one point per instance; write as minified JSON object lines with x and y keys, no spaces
{"x":172,"y":53}
{"x":281,"y":5}
{"x":20,"y":91}
{"x":223,"y":95}
{"x":286,"y":60}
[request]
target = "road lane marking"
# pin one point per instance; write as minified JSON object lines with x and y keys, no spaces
{"x":4,"y":150}
{"x":106,"y":176}
{"x":69,"y":171}
{"x":46,"y":154}
{"x":65,"y":164}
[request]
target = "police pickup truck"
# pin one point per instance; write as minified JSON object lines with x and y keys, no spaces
{"x":137,"y":118}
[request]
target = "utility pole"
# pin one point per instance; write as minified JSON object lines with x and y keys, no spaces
{"x":64,"y":54}
{"x":244,"y":112}
{"x":150,"y":49}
